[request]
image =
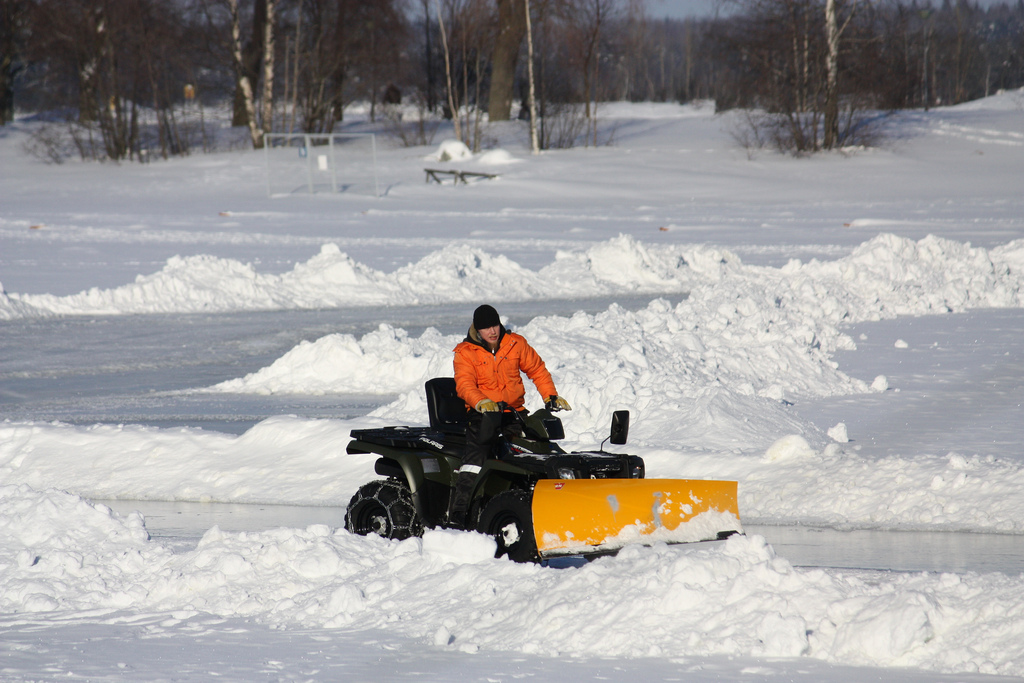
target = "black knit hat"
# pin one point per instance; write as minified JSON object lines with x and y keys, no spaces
{"x":485,"y":316}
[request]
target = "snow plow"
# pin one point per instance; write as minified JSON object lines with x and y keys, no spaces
{"x":538,"y":501}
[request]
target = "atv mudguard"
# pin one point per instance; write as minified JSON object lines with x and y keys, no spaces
{"x":431,"y":474}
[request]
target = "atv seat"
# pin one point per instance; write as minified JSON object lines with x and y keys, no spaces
{"x":446,"y":410}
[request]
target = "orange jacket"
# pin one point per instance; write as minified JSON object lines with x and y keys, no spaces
{"x":480,"y":374}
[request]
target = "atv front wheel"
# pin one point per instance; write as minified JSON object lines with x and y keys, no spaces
{"x":384,"y":508}
{"x":508,"y":519}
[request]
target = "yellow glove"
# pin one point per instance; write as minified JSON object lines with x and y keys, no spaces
{"x":556,"y":403}
{"x":486,"y":405}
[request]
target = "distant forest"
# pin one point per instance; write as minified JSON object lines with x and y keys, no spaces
{"x":120,"y":73}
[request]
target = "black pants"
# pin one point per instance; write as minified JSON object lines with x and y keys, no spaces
{"x":482,"y":434}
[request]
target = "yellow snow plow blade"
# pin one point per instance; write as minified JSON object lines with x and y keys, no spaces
{"x":574,"y":516}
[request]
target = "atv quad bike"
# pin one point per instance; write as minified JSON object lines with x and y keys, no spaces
{"x":534,"y":498}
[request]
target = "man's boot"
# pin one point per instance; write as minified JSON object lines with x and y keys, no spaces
{"x":458,"y":506}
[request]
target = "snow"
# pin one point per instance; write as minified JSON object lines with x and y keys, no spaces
{"x":496,"y":157}
{"x":839,"y":433}
{"x":446,"y":589}
{"x":743,"y":364}
{"x":451,"y":150}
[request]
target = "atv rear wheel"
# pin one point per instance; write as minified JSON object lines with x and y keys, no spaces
{"x":508,"y":519}
{"x":384,"y":508}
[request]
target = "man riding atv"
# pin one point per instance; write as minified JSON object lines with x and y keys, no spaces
{"x":485,"y":464}
{"x":488,"y":364}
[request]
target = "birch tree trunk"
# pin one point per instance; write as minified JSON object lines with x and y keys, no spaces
{"x":448,"y":76}
{"x":267,"y":122}
{"x":252,"y":54}
{"x":534,"y":142}
{"x":832,"y":32}
{"x":243,"y":80}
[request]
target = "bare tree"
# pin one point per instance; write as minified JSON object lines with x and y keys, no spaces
{"x":810,"y":72}
{"x":833,"y":32}
{"x":251,"y":52}
{"x":430,"y":93}
{"x":511,"y":29}
{"x":116,"y":70}
{"x":244,"y":85}
{"x":321,"y":52}
{"x":534,"y":142}
{"x":267,"y":121}
{"x":453,"y":106}
{"x":792,"y":51}
{"x":581,"y":23}
{"x":347,"y":49}
{"x":13,"y":21}
{"x":465,"y":28}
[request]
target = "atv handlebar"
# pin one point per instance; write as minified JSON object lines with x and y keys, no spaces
{"x":549,"y":428}
{"x":505,"y":408}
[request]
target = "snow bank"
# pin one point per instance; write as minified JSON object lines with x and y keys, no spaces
{"x":333,"y":279}
{"x":792,"y":482}
{"x":734,"y":598}
{"x":386,"y":361}
{"x":59,"y":554}
{"x":673,"y":374}
{"x":57,"y":547}
{"x":287,"y":460}
{"x":883,"y":277}
{"x":11,"y":308}
{"x":715,"y":370}
{"x":451,"y":150}
{"x":1003,"y":100}
{"x":707,"y":383}
{"x":281,"y":460}
{"x":497,"y":157}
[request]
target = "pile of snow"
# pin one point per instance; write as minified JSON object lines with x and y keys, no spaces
{"x":57,"y":547}
{"x":793,"y":482}
{"x":883,"y":277}
{"x":386,"y":361}
{"x":727,"y":599}
{"x":332,"y":279}
{"x":281,"y":460}
{"x":11,"y":308}
{"x":721,"y":363}
{"x":456,"y":150}
{"x":451,"y":150}
{"x":1003,"y":100}
{"x":496,"y":157}
{"x":287,"y":460}
{"x":708,"y":383}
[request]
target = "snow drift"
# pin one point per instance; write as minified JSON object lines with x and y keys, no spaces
{"x":332,"y":279}
{"x":883,"y":277}
{"x":731,"y":598}
{"x":744,"y":341}
{"x":709,"y":382}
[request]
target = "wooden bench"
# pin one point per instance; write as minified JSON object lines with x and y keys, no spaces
{"x":434,"y":174}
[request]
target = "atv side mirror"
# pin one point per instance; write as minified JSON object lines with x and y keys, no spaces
{"x":620,"y":427}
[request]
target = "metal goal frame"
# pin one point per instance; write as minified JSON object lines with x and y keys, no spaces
{"x":309,"y":141}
